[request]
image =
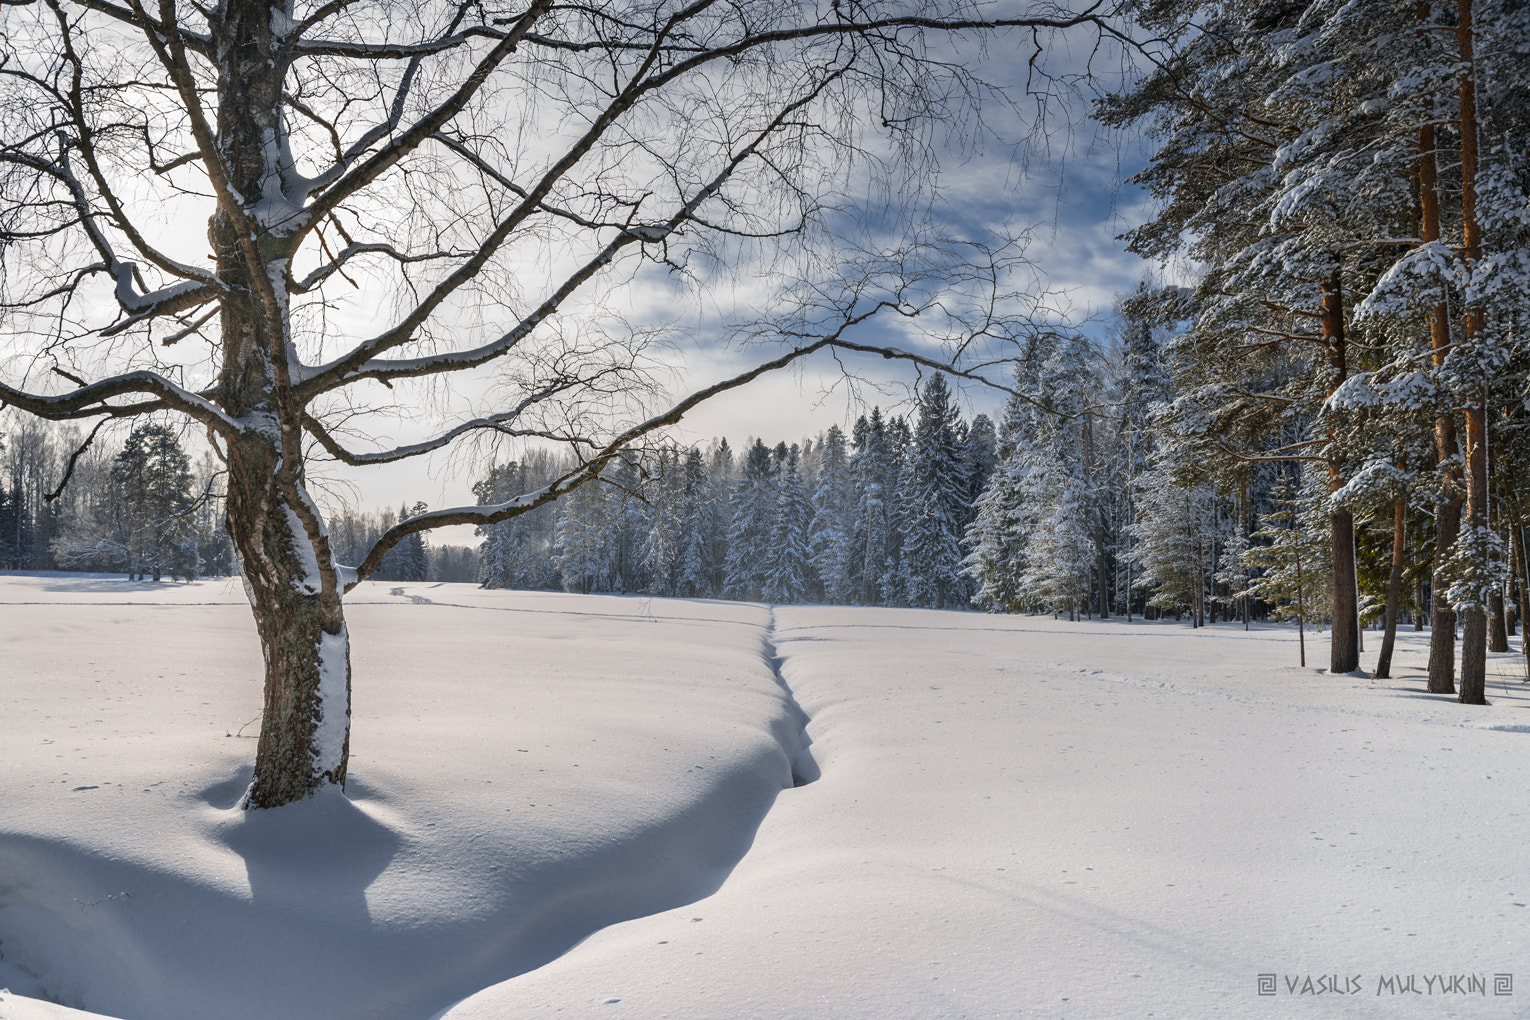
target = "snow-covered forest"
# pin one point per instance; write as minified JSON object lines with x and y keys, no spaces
{"x":141,"y":506}
{"x":1149,"y":655}
{"x":1351,"y":187}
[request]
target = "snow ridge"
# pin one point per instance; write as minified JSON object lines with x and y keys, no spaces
{"x":797,"y":745}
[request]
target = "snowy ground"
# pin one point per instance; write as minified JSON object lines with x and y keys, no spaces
{"x":998,"y":816}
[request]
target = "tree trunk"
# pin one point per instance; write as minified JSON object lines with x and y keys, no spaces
{"x":305,"y":722}
{"x":1521,"y":596}
{"x":1394,"y":587}
{"x":1301,"y":623}
{"x":1498,"y":629}
{"x":1474,"y":619}
{"x":1103,"y":575}
{"x":1345,"y":656}
{"x":283,"y":551}
{"x":1345,"y":647}
{"x":1447,"y":527}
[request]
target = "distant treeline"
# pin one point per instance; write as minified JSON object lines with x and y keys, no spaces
{"x":137,"y":504}
{"x":873,"y":518}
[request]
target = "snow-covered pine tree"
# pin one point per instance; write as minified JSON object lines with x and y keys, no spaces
{"x":721,"y":476}
{"x":1292,"y":549}
{"x":980,"y":455}
{"x":933,"y":498}
{"x":1245,"y":191}
{"x":698,"y":524}
{"x":152,"y":476}
{"x":1142,"y":386}
{"x":406,"y":561}
{"x":751,"y":514}
{"x":786,"y":556}
{"x":585,"y":549}
{"x":890,"y":583}
{"x":1065,"y":550}
{"x":1002,"y":522}
{"x":872,"y":472}
{"x":1058,"y":551}
{"x":1180,"y":523}
{"x":517,"y":553}
{"x":830,"y":536}
{"x":143,"y":525}
{"x":662,"y":535}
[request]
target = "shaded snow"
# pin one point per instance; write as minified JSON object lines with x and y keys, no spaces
{"x":1015,"y":816}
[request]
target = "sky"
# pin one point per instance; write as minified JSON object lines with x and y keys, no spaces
{"x":1033,"y":168}
{"x":1074,"y":206}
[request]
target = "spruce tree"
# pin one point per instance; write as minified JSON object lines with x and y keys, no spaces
{"x":152,"y":476}
{"x":751,"y":515}
{"x":786,"y":577}
{"x":934,"y":487}
{"x":831,"y":540}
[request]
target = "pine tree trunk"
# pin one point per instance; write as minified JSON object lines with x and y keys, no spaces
{"x":1442,"y":617}
{"x":1474,"y":619}
{"x":1447,"y":527}
{"x":1345,"y":645}
{"x":1521,"y":596}
{"x":1498,"y":629}
{"x":1345,"y":648}
{"x":1104,"y":577}
{"x":1394,"y":587}
{"x":1301,"y":622}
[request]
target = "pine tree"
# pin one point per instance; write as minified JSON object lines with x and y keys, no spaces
{"x":786,"y":576}
{"x":407,"y":561}
{"x":871,"y":469}
{"x":663,"y":534}
{"x":751,"y":514}
{"x":897,"y":484}
{"x":1003,"y":523}
{"x":933,"y":497}
{"x":831,"y":535}
{"x":698,"y":522}
{"x":584,"y":548}
{"x":152,"y":520}
{"x":1292,"y":553}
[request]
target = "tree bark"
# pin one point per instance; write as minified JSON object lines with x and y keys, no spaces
{"x":305,"y":723}
{"x":1345,"y":646}
{"x":1474,"y":618}
{"x":283,"y":551}
{"x":1301,"y":623}
{"x":1498,"y":629}
{"x":1521,"y":596}
{"x":1394,"y":587}
{"x":1447,"y":526}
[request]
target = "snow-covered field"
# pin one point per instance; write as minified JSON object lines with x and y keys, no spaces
{"x":607,"y":807}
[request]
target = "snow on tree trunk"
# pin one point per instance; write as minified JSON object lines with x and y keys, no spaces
{"x":305,"y":722}
{"x":275,"y":528}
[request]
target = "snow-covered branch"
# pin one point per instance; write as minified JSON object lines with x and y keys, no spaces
{"x":90,"y":400}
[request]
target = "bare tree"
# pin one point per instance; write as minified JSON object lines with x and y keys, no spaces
{"x":495,"y":173}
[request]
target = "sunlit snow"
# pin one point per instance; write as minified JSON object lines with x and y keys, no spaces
{"x":622,"y":806}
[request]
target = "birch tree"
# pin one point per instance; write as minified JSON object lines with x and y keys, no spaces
{"x":189,"y":192}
